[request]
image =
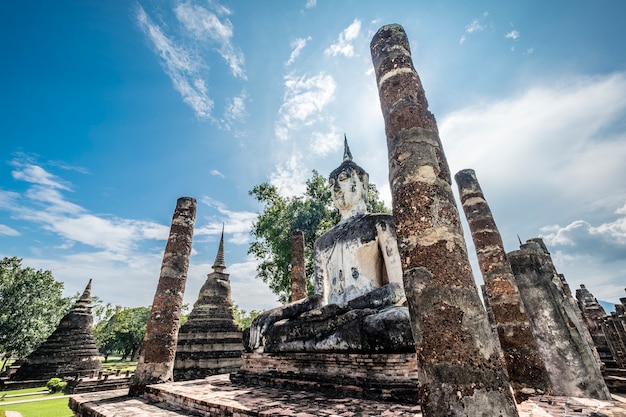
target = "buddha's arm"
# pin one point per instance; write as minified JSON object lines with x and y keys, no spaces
{"x":321,"y":281}
{"x":388,"y":244}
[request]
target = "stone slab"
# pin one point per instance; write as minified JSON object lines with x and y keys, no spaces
{"x":217,"y":396}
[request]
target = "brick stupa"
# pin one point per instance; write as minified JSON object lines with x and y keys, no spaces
{"x":69,"y":350}
{"x":209,"y":343}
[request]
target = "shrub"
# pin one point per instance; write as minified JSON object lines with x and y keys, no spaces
{"x":56,"y":385}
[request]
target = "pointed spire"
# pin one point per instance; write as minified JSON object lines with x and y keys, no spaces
{"x":520,"y":240}
{"x":347,"y":155}
{"x":219,"y":265}
{"x":83,"y":304}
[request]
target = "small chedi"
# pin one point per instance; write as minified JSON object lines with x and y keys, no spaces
{"x":69,"y":351}
{"x":349,"y":330}
{"x":209,"y":343}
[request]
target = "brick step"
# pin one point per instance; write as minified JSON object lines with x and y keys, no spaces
{"x":117,"y":403}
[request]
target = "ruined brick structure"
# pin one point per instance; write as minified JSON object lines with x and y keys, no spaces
{"x":69,"y":351}
{"x":158,"y":351}
{"x":593,"y":314}
{"x":209,"y":343}
{"x":298,"y":266}
{"x":460,"y":369}
{"x":525,"y":367}
{"x":569,"y":358}
{"x":614,"y":328}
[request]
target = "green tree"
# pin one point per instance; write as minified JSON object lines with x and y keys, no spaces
{"x":242,"y":317}
{"x":31,"y":306}
{"x":122,"y":332}
{"x":313,"y":213}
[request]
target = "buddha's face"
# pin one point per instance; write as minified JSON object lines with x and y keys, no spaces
{"x":347,"y":189}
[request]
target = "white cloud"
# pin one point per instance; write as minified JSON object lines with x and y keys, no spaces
{"x":235,"y":110}
{"x":553,"y":155}
{"x":203,"y":24}
{"x":289,"y":177}
{"x":237,"y":224}
{"x":475,"y":26}
{"x":344,"y":46}
{"x":304,"y":98}
{"x":36,"y":175}
{"x":180,"y":65}
{"x":217,"y":173}
{"x":8,"y":231}
{"x":324,"y":143}
{"x":297,"y":44}
{"x":512,"y":35}
{"x":310,"y":4}
{"x":547,"y":139}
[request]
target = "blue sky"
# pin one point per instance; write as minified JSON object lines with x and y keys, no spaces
{"x":113,"y":110}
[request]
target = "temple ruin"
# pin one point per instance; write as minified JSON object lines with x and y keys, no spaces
{"x":525,"y":367}
{"x":560,"y":334}
{"x":69,"y":351}
{"x":158,"y":351}
{"x":209,"y":343}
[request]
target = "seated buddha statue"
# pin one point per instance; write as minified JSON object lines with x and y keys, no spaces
{"x":358,"y":302}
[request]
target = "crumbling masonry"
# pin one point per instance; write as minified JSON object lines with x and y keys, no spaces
{"x":156,"y":363}
{"x":460,"y":370}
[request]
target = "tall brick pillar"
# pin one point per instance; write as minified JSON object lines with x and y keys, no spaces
{"x":158,"y":351}
{"x":527,"y":372}
{"x":460,"y":371}
{"x":298,"y":266}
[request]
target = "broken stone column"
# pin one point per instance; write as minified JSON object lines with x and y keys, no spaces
{"x":70,"y":350}
{"x":158,"y":351}
{"x":568,"y":356}
{"x":210,"y":342}
{"x":298,"y":266}
{"x":460,"y":371}
{"x":526,"y":370}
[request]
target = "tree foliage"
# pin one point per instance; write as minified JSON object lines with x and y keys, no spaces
{"x":313,"y":213}
{"x":31,"y":306}
{"x":121,"y":331}
{"x":243,"y":318}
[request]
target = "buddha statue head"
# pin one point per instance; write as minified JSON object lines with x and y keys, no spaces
{"x":349,"y":184}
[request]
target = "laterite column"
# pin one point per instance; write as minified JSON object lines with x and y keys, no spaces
{"x":460,"y":371}
{"x":524,"y":364}
{"x":158,"y":352}
{"x":298,"y":266}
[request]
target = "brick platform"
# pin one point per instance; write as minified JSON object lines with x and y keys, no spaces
{"x":217,"y":396}
{"x":373,"y":376}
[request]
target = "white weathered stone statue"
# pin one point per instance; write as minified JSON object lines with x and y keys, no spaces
{"x":358,"y":284}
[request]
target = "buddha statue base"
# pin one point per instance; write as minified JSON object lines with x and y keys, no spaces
{"x":379,"y":376}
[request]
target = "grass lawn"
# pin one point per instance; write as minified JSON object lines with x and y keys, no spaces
{"x":50,"y":408}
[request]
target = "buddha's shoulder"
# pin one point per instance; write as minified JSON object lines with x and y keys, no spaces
{"x":362,"y":228}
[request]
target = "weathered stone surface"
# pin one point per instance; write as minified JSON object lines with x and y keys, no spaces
{"x":298,"y":266}
{"x":210,"y":343}
{"x":459,"y":366}
{"x":593,"y":314}
{"x":156,"y":362}
{"x":526,"y":370}
{"x":553,"y":313}
{"x":69,"y":350}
